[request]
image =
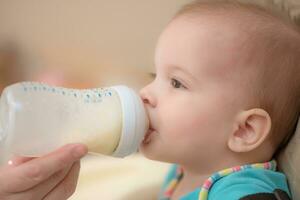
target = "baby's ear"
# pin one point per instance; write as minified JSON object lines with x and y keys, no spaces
{"x":251,"y":129}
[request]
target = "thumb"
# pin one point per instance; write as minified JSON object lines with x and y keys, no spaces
{"x":18,"y":160}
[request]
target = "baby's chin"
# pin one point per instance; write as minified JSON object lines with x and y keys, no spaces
{"x":144,"y":149}
{"x":152,"y":152}
{"x":148,"y":150}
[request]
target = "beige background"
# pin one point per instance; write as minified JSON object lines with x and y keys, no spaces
{"x":96,"y":40}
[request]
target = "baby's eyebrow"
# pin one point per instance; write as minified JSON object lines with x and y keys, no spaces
{"x":189,"y":74}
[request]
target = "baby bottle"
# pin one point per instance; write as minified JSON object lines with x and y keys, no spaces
{"x":36,"y":118}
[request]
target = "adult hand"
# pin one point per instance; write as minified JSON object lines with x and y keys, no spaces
{"x":50,"y":177}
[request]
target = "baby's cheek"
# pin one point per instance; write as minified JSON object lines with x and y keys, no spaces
{"x":194,"y":122}
{"x":182,"y":124}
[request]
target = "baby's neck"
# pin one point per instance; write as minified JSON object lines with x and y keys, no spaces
{"x":189,"y":183}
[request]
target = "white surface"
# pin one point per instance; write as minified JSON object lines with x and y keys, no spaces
{"x":133,"y":177}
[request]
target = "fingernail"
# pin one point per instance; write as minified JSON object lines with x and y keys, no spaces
{"x":79,"y":151}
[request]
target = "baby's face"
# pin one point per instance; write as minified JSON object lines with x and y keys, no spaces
{"x":193,"y":100}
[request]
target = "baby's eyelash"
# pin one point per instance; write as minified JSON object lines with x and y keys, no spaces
{"x":177,"y":84}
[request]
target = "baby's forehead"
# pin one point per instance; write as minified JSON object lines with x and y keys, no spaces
{"x":216,"y":44}
{"x":227,"y":38}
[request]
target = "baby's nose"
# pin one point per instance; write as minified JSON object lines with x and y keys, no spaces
{"x":143,"y":95}
{"x":147,"y":96}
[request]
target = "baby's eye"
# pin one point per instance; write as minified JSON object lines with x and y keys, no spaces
{"x":177,"y":84}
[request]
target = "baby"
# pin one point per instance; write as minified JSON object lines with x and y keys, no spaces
{"x":225,"y":98}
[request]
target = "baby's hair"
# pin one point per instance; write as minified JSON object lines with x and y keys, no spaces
{"x":273,"y":44}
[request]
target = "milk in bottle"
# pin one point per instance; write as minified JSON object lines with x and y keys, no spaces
{"x":36,"y":118}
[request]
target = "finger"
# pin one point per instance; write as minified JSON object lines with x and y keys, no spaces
{"x":42,"y":189}
{"x":67,"y":186}
{"x":18,"y":160}
{"x":31,"y":173}
{"x":15,"y":161}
